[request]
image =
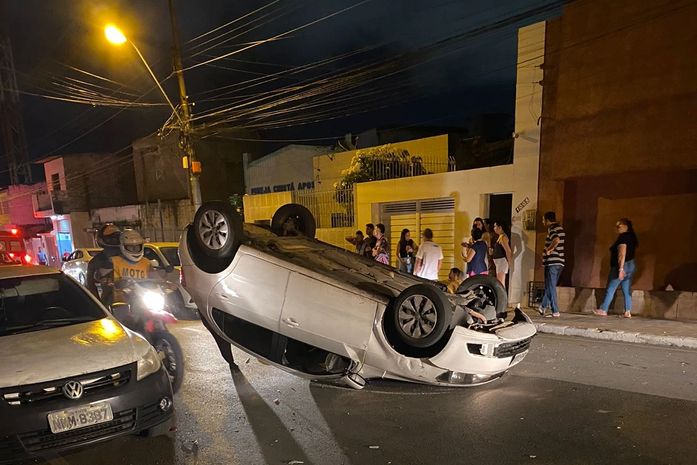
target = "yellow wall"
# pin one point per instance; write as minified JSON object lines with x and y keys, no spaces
{"x":337,"y":237}
{"x":328,"y":167}
{"x":263,"y":206}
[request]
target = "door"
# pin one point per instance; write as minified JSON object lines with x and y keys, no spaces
{"x":500,"y":207}
{"x":253,"y":292}
{"x":328,"y":317}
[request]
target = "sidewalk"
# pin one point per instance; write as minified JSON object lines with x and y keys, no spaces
{"x":667,"y":333}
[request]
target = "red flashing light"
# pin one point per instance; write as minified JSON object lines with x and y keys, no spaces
{"x":12,"y":255}
{"x":14,"y":231}
{"x":27,"y":258}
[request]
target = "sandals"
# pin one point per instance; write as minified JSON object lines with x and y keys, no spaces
{"x":552,"y":315}
{"x":627,"y":315}
{"x":599,"y":312}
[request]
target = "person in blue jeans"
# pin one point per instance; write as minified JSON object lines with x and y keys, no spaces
{"x":622,"y":267}
{"x":553,"y":259}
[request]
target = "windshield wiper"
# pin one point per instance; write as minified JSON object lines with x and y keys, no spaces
{"x":52,"y":323}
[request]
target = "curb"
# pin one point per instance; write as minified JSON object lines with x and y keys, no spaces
{"x":618,"y":336}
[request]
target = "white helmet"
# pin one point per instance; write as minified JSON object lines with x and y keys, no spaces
{"x":131,"y":244}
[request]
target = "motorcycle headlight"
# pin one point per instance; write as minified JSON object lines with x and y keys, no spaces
{"x":148,"y":364}
{"x":153,"y":301}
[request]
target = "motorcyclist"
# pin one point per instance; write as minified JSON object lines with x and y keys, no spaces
{"x":130,"y":264}
{"x":100,"y":268}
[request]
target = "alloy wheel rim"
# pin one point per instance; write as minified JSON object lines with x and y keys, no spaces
{"x":417,"y":316}
{"x":213,"y":230}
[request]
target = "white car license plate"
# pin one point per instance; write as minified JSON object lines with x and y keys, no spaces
{"x":79,"y":417}
{"x":518,"y":357}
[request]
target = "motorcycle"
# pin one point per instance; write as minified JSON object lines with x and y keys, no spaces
{"x":142,"y":307}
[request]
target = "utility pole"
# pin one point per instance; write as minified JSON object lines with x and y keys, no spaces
{"x":193,"y":165}
{"x":14,"y":141}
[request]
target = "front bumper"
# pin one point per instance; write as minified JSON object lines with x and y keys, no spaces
{"x":472,"y":352}
{"x":25,"y":432}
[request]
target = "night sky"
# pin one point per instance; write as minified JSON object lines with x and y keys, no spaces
{"x":387,"y":63}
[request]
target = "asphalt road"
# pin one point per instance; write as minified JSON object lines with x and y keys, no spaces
{"x":571,"y":401}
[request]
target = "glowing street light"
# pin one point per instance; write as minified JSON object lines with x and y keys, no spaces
{"x":114,"y":35}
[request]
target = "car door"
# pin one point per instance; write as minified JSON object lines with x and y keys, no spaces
{"x":253,"y":292}
{"x":327,"y":316}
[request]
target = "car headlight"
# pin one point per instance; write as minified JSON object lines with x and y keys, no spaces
{"x":153,"y":301}
{"x":149,"y":363}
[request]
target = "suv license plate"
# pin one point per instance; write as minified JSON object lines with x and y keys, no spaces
{"x":80,"y":417}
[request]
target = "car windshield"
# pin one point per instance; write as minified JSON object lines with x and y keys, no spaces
{"x":171,"y":254}
{"x":33,"y":303}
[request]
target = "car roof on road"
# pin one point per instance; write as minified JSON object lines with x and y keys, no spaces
{"x":20,"y":271}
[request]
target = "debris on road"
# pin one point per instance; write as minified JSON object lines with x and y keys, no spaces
{"x":373,"y":447}
{"x":276,"y":401}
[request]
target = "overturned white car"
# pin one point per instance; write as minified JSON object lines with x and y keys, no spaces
{"x":322,"y":312}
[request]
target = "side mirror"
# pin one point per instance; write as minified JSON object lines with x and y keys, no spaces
{"x":169,"y":268}
{"x":120,"y":310}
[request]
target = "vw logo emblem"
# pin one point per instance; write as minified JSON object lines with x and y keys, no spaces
{"x":73,"y":390}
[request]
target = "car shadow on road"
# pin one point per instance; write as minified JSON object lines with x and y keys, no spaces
{"x":276,"y":443}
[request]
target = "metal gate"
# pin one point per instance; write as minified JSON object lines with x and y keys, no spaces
{"x":417,"y":215}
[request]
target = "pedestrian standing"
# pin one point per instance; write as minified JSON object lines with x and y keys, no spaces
{"x":41,"y":257}
{"x":553,"y":261}
{"x":405,"y":252}
{"x":502,"y":252}
{"x":370,"y":240}
{"x":429,"y":257}
{"x":475,"y":254}
{"x":357,"y":241}
{"x":381,"y":250}
{"x":622,"y":267}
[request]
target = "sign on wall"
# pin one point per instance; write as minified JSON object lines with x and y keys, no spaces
{"x":301,"y":186}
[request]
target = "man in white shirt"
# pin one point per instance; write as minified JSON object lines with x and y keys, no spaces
{"x":429,"y":258}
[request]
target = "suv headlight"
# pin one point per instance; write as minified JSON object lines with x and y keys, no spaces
{"x":148,"y":364}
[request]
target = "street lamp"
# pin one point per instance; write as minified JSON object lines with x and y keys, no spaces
{"x":116,"y":37}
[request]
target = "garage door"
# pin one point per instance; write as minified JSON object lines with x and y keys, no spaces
{"x":436,"y":214}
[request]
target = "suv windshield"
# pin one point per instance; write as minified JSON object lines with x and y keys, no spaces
{"x":171,"y":254}
{"x":33,"y":303}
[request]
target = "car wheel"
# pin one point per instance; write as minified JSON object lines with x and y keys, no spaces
{"x":215,"y":236}
{"x":172,"y":356}
{"x":293,"y":220}
{"x":421,"y":315}
{"x":487,"y":292}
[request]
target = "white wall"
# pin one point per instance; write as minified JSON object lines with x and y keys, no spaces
{"x":289,"y":165}
{"x":526,"y":154}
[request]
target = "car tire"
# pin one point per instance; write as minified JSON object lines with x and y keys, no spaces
{"x":301,"y":216}
{"x":215,"y":236}
{"x":169,"y":345}
{"x":489,"y":290}
{"x":421,"y":315}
